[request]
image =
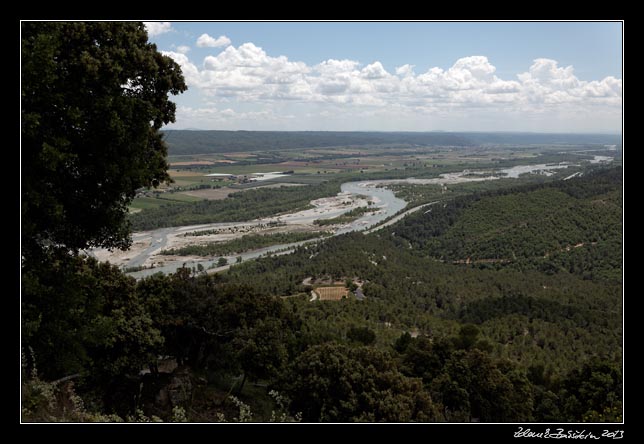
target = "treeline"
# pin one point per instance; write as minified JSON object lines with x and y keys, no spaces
{"x":203,"y":142}
{"x":244,"y":243}
{"x":237,"y":207}
{"x":511,"y":138}
{"x":232,"y":229}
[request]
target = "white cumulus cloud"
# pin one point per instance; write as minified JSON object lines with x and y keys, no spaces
{"x":405,"y":70}
{"x":157,"y":28}
{"x":546,"y":82}
{"x":183,"y":49}
{"x":205,"y":41}
{"x":228,"y":118}
{"x":374,"y":71}
{"x":470,"y":88}
{"x":249,"y":73}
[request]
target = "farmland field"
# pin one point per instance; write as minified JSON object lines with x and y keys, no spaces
{"x":331,"y":293}
{"x":146,"y":202}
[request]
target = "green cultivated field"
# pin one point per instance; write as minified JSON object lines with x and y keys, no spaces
{"x":145,"y":203}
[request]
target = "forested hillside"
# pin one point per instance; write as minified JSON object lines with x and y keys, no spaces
{"x":573,"y":225}
{"x":550,"y":319}
{"x":533,"y":333}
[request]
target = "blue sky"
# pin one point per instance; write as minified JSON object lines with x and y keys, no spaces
{"x":501,"y":76}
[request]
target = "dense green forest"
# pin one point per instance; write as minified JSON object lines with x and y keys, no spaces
{"x":545,"y":318}
{"x":573,"y":225}
{"x":207,"y":142}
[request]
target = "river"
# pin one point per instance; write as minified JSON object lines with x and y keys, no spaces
{"x":386,"y":203}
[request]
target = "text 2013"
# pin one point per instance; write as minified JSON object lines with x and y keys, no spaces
{"x":569,"y":434}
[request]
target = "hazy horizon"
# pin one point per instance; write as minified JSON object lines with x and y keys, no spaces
{"x":611,"y":133}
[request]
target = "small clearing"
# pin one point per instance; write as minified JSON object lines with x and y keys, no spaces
{"x":330,"y":293}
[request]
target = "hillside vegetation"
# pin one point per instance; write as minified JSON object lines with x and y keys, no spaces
{"x":549,"y":318}
{"x":573,"y":225}
{"x":530,"y":337}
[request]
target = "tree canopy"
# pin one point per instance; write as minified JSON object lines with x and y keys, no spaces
{"x":332,"y":382}
{"x":94,"y":96}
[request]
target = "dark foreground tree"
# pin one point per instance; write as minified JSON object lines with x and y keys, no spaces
{"x":94,"y":96}
{"x":363,"y":335}
{"x":593,"y":392}
{"x":334,"y":383}
{"x":474,"y":387}
{"x":83,"y":319}
{"x":84,"y":316}
{"x":226,"y":329}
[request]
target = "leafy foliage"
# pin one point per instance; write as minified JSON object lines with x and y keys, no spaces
{"x":84,"y":316}
{"x":363,"y":335}
{"x":224,"y":327}
{"x":593,"y":391}
{"x":334,"y":383}
{"x":94,"y":96}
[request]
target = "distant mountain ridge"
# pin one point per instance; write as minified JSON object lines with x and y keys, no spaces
{"x":215,"y":141}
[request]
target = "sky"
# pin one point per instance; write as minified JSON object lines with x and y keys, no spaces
{"x":397,"y":76}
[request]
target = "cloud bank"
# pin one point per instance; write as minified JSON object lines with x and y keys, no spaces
{"x":247,"y":74}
